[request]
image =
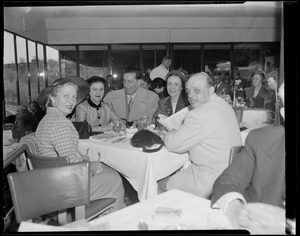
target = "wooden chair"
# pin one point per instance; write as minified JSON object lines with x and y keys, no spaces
{"x":233,"y":152}
{"x":42,"y":191}
{"x":93,"y":209}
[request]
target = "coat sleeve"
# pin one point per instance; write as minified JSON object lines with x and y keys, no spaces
{"x":196,"y":127}
{"x":237,"y":176}
{"x":81,"y":113}
{"x":152,"y":105}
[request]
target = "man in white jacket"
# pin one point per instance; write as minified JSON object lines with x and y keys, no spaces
{"x":208,"y":132}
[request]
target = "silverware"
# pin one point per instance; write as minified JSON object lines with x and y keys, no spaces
{"x":118,"y":140}
{"x":142,"y":225}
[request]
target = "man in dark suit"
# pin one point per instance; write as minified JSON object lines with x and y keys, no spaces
{"x":132,"y":102}
{"x":256,"y":176}
{"x":221,"y":88}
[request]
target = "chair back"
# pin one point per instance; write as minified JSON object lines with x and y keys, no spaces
{"x":42,"y":191}
{"x":233,"y":152}
{"x":37,"y":162}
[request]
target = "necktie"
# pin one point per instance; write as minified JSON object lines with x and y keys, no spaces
{"x":130,"y":103}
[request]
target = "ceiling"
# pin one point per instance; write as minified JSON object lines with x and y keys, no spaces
{"x":31,"y":20}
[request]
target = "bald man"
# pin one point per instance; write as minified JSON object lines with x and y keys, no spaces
{"x":208,"y":132}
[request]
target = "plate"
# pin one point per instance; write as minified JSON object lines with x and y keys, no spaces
{"x":103,"y":137}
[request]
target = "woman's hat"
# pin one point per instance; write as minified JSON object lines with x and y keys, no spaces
{"x":178,"y":73}
{"x":83,"y":89}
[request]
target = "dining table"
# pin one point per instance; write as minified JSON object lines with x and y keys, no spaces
{"x":192,"y":213}
{"x":141,"y":169}
{"x":253,"y":117}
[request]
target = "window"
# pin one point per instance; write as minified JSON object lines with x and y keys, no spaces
{"x":123,"y":56}
{"x":217,"y":57}
{"x":152,"y":56}
{"x":9,"y":70}
{"x":22,"y":71}
{"x":52,"y":65}
{"x":188,"y":57}
{"x":93,"y":61}
{"x":33,"y":70}
{"x":67,"y":60}
{"x":41,"y":68}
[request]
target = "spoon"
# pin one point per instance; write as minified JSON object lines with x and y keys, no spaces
{"x":142,"y":225}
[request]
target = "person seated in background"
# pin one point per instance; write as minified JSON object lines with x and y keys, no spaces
{"x":177,"y":98}
{"x":185,"y":72}
{"x":145,"y":82}
{"x":162,"y":70}
{"x":227,"y":79}
{"x":158,"y":85}
{"x":8,"y":122}
{"x":221,"y":88}
{"x":25,"y":123}
{"x":132,"y":102}
{"x":36,"y":110}
{"x":251,"y":190}
{"x":56,"y":136}
{"x":208,"y":132}
{"x":97,"y":113}
{"x":258,"y":90}
{"x":109,"y":80}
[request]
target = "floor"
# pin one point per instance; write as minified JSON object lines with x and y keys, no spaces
{"x":129,"y":198}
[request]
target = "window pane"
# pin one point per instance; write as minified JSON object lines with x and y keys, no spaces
{"x":52,"y":64}
{"x":41,"y":69}
{"x":33,"y":70}
{"x":67,"y":60}
{"x":22,"y":71}
{"x":187,"y":57}
{"x":217,"y":57}
{"x":247,"y":59}
{"x":93,"y":61}
{"x":123,"y":56}
{"x":153,"y":55}
{"x":9,"y":70}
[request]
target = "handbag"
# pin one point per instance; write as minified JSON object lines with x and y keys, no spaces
{"x":255,"y":103}
{"x":146,"y":139}
{"x":83,"y":128}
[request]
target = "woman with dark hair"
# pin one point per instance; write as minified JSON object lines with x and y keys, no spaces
{"x":159,"y":85}
{"x":177,"y":98}
{"x":258,"y":90}
{"x":94,"y":110}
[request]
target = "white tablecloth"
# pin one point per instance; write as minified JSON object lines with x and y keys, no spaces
{"x":245,"y":132}
{"x":254,"y":117}
{"x":196,"y":214}
{"x":141,"y":169}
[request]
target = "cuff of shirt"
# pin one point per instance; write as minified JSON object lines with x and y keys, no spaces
{"x":227,"y":198}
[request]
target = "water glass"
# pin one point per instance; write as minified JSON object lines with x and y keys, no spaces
{"x":117,"y":126}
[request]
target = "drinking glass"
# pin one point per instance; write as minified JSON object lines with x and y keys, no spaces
{"x":117,"y":126}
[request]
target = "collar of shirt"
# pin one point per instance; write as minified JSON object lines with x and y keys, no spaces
{"x":54,"y":110}
{"x":131,"y":96}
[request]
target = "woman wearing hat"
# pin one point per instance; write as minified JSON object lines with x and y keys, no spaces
{"x":56,"y":135}
{"x":177,"y":98}
{"x":97,"y":113}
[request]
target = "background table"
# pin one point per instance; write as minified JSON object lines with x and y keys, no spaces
{"x":141,"y":169}
{"x":196,"y":214}
{"x":253,"y":117}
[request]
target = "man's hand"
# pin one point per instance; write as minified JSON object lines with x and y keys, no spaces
{"x":233,"y":212}
{"x":260,"y":218}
